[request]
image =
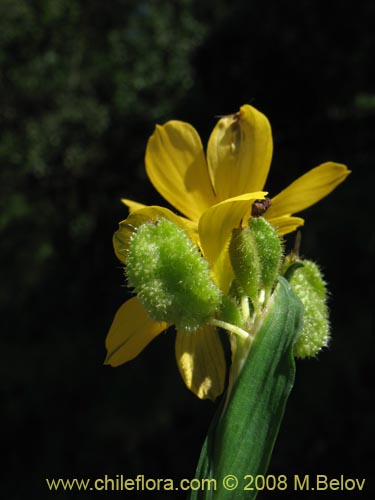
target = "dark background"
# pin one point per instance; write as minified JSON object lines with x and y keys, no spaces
{"x":82,"y":85}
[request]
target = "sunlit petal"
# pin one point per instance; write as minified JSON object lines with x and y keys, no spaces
{"x":215,"y":229}
{"x":308,"y":189}
{"x":132,"y":205}
{"x":189,"y":225}
{"x":122,"y":237}
{"x":239,"y":153}
{"x":286,"y":224}
{"x":131,"y":331}
{"x":176,"y":166}
{"x":200,"y":359}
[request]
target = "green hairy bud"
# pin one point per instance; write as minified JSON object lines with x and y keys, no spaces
{"x":230,"y":312}
{"x":245,"y":261}
{"x":269,"y":250}
{"x":308,"y":284}
{"x":171,"y":277}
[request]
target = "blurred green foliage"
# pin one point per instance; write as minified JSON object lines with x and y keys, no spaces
{"x":79,"y":80}
{"x":82,"y":84}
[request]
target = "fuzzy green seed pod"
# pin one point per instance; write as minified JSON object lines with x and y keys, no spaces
{"x":308,"y":284}
{"x":230,"y":312}
{"x":269,"y":250}
{"x":245,"y":261}
{"x":171,"y":277}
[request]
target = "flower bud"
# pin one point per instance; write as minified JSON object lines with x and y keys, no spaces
{"x":230,"y":312}
{"x":171,"y":277}
{"x":308,"y":284}
{"x":269,"y":249}
{"x":245,"y":261}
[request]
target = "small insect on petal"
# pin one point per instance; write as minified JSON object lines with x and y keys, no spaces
{"x":260,"y":207}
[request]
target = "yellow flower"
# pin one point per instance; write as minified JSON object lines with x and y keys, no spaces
{"x":215,"y":193}
{"x":214,"y":190}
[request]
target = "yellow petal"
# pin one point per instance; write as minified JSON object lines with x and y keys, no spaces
{"x":176,"y":166}
{"x":132,"y":205}
{"x":122,"y":237}
{"x":190,"y":226}
{"x":200,"y":359}
{"x":286,"y":224}
{"x":239,"y":153}
{"x":308,"y":189}
{"x":131,"y":331}
{"x":215,"y":229}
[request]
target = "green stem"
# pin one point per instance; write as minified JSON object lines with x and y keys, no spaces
{"x":236,"y":330}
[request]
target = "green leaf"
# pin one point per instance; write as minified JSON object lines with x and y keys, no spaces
{"x":242,"y":436}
